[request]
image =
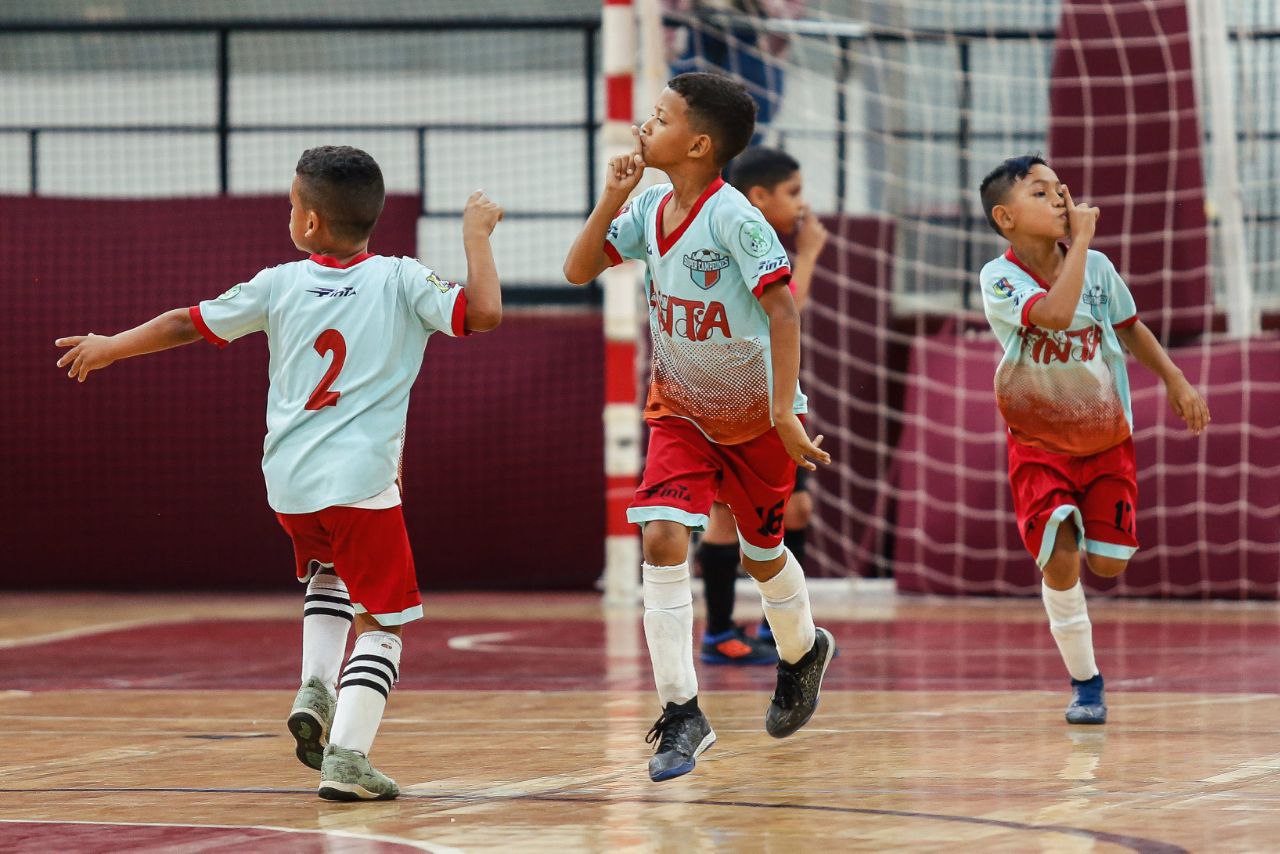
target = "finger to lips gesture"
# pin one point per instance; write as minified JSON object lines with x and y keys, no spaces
{"x":625,"y":170}
{"x":811,"y":235}
{"x":1082,"y":219}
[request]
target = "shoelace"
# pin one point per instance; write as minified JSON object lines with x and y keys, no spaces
{"x":664,"y":731}
{"x":787,"y":694}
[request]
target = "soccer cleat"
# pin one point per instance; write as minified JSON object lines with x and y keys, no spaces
{"x":310,"y":720}
{"x":348,"y":776}
{"x":1088,"y":702}
{"x":736,"y":647}
{"x":796,"y":696}
{"x":682,"y":734}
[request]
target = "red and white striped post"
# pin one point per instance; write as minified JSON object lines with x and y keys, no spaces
{"x":621,"y":409}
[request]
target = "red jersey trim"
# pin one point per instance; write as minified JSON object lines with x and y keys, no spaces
{"x":459,"y":319}
{"x":614,"y":257}
{"x":665,"y":243}
{"x":1009,"y":256}
{"x":769,"y":278}
{"x":1125,"y":324}
{"x":203,"y":328}
{"x":329,"y":261}
{"x":1026,"y":308}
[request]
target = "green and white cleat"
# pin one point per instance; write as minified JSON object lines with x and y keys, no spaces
{"x":348,"y":776}
{"x":310,"y":720}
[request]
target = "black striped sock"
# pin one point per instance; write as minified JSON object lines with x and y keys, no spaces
{"x":326,"y":618}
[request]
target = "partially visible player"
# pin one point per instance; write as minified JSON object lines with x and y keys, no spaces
{"x":724,"y":402}
{"x":346,"y":332}
{"x":771,"y":180}
{"x":1061,"y":315}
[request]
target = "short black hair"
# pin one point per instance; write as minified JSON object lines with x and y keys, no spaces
{"x":995,"y":187}
{"x":761,"y":167}
{"x":720,"y":107}
{"x":345,"y":185}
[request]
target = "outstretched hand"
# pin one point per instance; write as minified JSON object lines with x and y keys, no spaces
{"x":626,"y":170}
{"x":88,"y":353}
{"x":797,"y":443}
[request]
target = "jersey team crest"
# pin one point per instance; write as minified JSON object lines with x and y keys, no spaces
{"x":705,"y":266}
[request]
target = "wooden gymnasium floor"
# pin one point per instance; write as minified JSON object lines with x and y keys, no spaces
{"x":156,"y":723}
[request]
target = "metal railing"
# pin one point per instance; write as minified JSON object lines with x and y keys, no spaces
{"x":224,"y":128}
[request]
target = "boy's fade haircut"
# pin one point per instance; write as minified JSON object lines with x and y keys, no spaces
{"x":762,"y":167}
{"x":345,"y":185}
{"x":720,"y":107}
{"x":995,"y":187}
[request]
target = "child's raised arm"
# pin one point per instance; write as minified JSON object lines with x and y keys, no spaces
{"x":587,"y":258}
{"x":484,"y":291}
{"x":94,"y":352}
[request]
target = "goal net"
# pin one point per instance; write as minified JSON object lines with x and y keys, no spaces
{"x":1161,"y":112}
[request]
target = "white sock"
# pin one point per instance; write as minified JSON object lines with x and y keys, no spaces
{"x":668,"y":629}
{"x":374,"y":666}
{"x":786,"y":607}
{"x":326,"y":618}
{"x":1069,"y":623}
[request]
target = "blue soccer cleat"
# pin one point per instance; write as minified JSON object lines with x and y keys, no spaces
{"x":1088,"y":702}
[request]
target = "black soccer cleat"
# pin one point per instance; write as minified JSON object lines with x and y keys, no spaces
{"x":682,"y":734}
{"x":796,"y":696}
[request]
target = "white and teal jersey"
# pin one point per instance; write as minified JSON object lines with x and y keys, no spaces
{"x":1065,"y":391}
{"x":711,"y":358}
{"x":346,"y":345}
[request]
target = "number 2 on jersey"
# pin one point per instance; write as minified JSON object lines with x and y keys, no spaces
{"x":330,"y":341}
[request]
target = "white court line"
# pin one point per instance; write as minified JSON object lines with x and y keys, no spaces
{"x":81,"y":631}
{"x":480,"y":643}
{"x":347,"y":834}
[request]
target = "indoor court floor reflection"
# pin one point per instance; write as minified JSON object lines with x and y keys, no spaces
{"x":156,"y":723}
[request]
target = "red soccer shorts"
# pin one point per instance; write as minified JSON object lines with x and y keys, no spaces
{"x":368,"y":549}
{"x":685,"y":472}
{"x":1099,"y":493}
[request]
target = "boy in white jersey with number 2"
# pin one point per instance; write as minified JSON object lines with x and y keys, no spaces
{"x":1063,"y":389}
{"x":346,"y":331}
{"x":724,"y":399}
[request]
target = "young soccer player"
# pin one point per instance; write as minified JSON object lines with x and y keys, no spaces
{"x":1062,"y":387}
{"x":724,"y":398}
{"x":770,"y":179}
{"x":346,"y":331}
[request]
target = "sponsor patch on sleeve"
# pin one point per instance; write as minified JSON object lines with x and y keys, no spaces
{"x":1002,"y":288}
{"x":440,"y":284}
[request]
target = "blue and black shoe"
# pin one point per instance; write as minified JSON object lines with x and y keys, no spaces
{"x":682,"y":734}
{"x":1088,"y":702}
{"x":737,"y":647}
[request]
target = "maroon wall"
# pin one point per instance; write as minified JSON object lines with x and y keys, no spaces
{"x":847,"y":346}
{"x":147,"y":476}
{"x":1206,"y":506}
{"x":1126,"y":139}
